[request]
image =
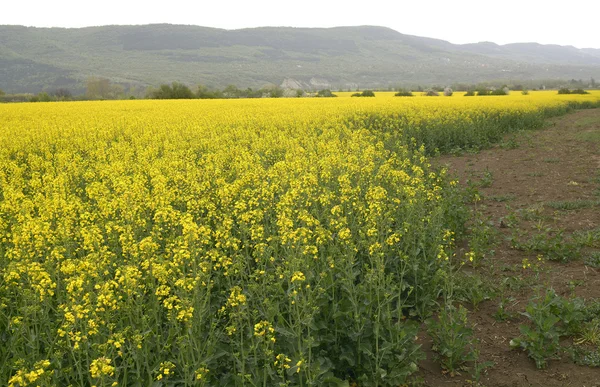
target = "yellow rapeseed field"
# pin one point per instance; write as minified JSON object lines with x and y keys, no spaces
{"x":232,"y":242}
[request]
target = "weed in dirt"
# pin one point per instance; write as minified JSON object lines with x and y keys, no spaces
{"x":574,"y":284}
{"x":504,"y":313}
{"x":585,"y":356}
{"x":458,"y":151}
{"x":511,"y":220}
{"x":515,"y":283}
{"x":479,"y":368}
{"x":586,"y":121}
{"x":591,"y":136}
{"x":551,"y":243}
{"x":540,"y":339}
{"x":569,"y":205}
{"x":551,"y":317}
{"x":453,"y":339}
{"x":482,"y":238}
{"x":473,"y":289}
{"x":471,"y":193}
{"x":531,"y":213}
{"x":487,"y":179}
{"x":522,"y":276}
{"x":502,"y":198}
{"x":593,"y":260}
{"x":587,"y":238}
{"x":590,"y":333}
{"x":511,"y":142}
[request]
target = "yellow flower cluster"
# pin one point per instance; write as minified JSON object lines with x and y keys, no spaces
{"x":298,"y":276}
{"x":101,"y":367}
{"x":23,"y":378}
{"x":165,"y":370}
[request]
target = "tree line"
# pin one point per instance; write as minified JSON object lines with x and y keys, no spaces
{"x":98,"y":88}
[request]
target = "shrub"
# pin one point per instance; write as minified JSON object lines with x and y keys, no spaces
{"x":579,"y":91}
{"x":470,"y":93}
{"x":431,"y":93}
{"x":503,"y":91}
{"x":365,"y":93}
{"x":326,"y":93}
{"x":564,"y":90}
{"x":448,"y":92}
{"x":404,"y":93}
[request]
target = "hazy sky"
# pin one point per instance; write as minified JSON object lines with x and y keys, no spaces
{"x":572,"y":22}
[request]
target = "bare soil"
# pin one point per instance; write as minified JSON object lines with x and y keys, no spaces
{"x":530,"y":183}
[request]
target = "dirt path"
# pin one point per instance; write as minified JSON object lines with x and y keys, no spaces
{"x":540,"y":195}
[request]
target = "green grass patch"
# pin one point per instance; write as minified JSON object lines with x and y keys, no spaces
{"x":587,"y":121}
{"x":569,"y":205}
{"x":593,"y":260}
{"x":590,"y":136}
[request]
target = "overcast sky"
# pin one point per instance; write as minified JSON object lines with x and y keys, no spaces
{"x":574,"y":22}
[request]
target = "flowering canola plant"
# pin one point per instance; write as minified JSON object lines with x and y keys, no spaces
{"x":239,"y":242}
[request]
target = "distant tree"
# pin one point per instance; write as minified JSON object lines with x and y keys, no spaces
{"x":592,"y":83}
{"x":325,"y":93}
{"x":44,"y":97}
{"x":448,"y":92}
{"x":231,"y":91}
{"x":116,"y":92}
{"x":98,"y":88}
{"x":271,"y":91}
{"x":470,"y":93}
{"x":204,"y":92}
{"x":250,"y":93}
{"x":181,"y":91}
{"x":2,"y":93}
{"x":564,"y":90}
{"x":62,"y":94}
{"x":174,"y":91}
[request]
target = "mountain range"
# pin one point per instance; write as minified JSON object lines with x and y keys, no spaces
{"x":35,"y":59}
